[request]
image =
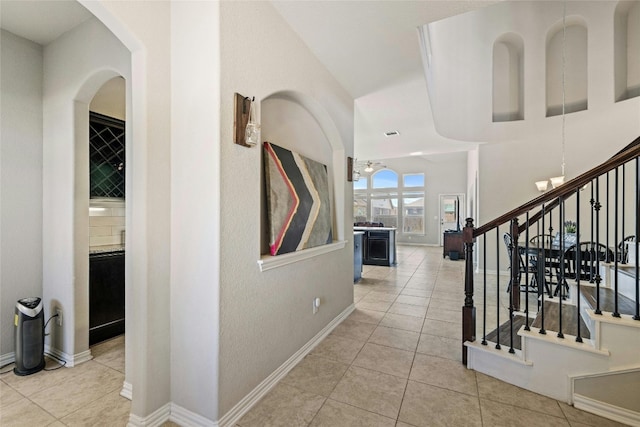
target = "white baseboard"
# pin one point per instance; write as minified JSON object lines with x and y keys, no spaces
{"x":184,"y":417}
{"x":7,"y":358}
{"x":127,"y":390}
{"x":66,"y":359}
{"x":155,"y":419}
{"x":606,"y":410}
{"x":232,"y":416}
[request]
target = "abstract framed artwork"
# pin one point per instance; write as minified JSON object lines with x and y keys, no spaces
{"x":298,"y":202}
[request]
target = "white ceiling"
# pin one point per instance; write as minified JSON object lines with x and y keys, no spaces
{"x":371,"y":47}
{"x":41,"y":21}
{"x":373,"y":50}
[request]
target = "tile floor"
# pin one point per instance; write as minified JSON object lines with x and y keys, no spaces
{"x":395,"y":361}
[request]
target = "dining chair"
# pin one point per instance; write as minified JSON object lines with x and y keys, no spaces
{"x":585,"y":268}
{"x":623,"y":250}
{"x":523,"y":268}
{"x":551,"y":264}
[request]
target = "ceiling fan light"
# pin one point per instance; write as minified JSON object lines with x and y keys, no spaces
{"x":542,"y":185}
{"x":368,"y":169}
{"x":557,"y":181}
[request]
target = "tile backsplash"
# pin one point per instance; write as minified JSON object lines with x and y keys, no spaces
{"x":106,"y":222}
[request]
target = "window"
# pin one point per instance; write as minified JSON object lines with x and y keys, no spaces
{"x":388,"y":202}
{"x":385,"y":179}
{"x":360,"y":184}
{"x":413,"y":180}
{"x":413,"y":213}
{"x":384,"y":209}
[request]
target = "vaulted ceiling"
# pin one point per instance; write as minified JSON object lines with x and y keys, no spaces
{"x":371,"y":47}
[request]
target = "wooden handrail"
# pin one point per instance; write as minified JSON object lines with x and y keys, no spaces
{"x":630,"y":152}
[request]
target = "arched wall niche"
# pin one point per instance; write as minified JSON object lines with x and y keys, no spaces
{"x":572,"y":61}
{"x":297,"y":122}
{"x":508,"y":78}
{"x":626,"y":30}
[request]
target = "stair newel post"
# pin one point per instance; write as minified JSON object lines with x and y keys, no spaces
{"x":468,"y":310}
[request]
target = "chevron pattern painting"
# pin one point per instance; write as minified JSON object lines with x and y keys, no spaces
{"x":298,"y":201}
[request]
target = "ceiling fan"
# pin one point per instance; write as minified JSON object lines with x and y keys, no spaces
{"x":367,"y":167}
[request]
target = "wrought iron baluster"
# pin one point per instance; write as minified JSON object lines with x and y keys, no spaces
{"x":515,"y":280}
{"x":577,"y":264}
{"x":637,"y":260}
{"x":561,"y":278}
{"x":543,"y":257}
{"x":616,"y":237}
{"x":593,"y":252}
{"x":484,"y":291}
{"x":526,"y":295}
{"x":498,"y":287}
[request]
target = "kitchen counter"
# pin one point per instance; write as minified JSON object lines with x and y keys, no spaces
{"x":105,"y":249}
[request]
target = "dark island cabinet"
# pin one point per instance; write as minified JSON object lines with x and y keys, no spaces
{"x":379,"y":245}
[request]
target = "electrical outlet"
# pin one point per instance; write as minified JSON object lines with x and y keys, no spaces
{"x":59,"y":318}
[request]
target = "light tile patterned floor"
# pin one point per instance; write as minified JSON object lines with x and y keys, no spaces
{"x":394,"y":362}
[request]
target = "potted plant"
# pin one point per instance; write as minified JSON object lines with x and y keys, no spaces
{"x":570,"y":237}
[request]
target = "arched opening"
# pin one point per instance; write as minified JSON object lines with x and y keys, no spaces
{"x":107,"y":207}
{"x":566,"y":70}
{"x":508,"y":78}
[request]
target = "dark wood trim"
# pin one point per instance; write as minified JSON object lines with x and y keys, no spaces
{"x":106,"y":120}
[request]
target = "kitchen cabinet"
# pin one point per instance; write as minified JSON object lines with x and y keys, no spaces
{"x":106,"y":296}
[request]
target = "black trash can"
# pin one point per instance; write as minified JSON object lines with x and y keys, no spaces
{"x":29,"y":336}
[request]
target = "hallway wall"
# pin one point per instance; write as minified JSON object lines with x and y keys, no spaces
{"x":20,"y":180}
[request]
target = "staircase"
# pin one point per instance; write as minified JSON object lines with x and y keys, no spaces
{"x":584,"y":348}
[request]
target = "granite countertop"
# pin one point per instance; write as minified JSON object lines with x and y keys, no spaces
{"x":373,"y":228}
{"x":105,"y":249}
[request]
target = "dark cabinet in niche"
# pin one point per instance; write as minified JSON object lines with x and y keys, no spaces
{"x":106,"y":296}
{"x":106,"y":156}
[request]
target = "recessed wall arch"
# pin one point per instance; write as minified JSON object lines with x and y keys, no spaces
{"x":626,"y":47}
{"x":298,"y":122}
{"x":570,"y":61}
{"x":508,"y":78}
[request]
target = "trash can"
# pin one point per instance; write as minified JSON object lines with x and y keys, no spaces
{"x":454,"y":255}
{"x":29,"y":336}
